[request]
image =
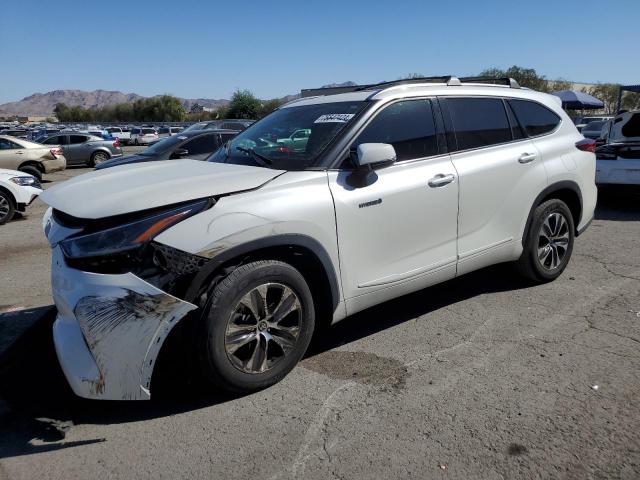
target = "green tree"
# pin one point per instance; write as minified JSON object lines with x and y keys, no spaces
{"x":560,"y":84}
{"x":269,"y":106}
{"x":526,"y":77}
{"x":244,"y":105}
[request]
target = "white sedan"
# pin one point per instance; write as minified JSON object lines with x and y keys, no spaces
{"x":17,"y":191}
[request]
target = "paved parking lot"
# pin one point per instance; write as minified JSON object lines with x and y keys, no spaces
{"x":481,"y":377}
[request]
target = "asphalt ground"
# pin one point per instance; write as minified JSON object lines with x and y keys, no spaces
{"x":481,"y":377}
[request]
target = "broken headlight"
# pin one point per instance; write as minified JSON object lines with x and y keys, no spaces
{"x":131,"y":235}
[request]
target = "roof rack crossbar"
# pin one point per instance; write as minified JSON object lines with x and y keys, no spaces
{"x":407,"y":81}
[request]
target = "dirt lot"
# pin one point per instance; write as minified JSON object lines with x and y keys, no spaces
{"x":481,"y":377}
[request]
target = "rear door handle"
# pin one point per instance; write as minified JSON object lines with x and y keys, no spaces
{"x":441,"y":180}
{"x":527,"y":157}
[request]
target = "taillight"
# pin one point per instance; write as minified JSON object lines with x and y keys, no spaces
{"x":586,"y":145}
{"x":56,"y":152}
{"x":117,"y":143}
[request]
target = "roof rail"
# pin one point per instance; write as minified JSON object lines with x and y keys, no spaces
{"x":508,"y":81}
{"x":450,"y":80}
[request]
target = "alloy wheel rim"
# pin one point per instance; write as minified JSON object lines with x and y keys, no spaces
{"x":4,"y":207}
{"x":553,"y":241}
{"x":263,"y":328}
{"x":99,"y":158}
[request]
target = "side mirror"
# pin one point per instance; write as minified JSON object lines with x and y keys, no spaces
{"x":372,"y":154}
{"x":180,"y":153}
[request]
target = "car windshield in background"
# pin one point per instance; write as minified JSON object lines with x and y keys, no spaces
{"x":289,"y":138}
{"x":163,"y":145}
{"x":594,"y":125}
{"x":196,"y":126}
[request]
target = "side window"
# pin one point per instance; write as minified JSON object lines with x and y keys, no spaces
{"x":76,"y":139}
{"x":226,"y":137}
{"x":479,"y":122}
{"x":202,"y":145}
{"x":53,"y":141}
{"x":408,"y":126}
{"x":516,"y":129}
{"x":535,"y":118}
{"x":135,"y":130}
{"x":8,"y":145}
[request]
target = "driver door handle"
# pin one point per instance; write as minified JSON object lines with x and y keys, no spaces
{"x":441,"y":180}
{"x":527,"y":157}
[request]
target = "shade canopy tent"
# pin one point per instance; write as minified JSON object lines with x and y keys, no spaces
{"x":626,"y":88}
{"x":573,"y":100}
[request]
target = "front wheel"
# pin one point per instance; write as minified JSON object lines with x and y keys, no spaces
{"x":256,"y":327}
{"x":549,"y":242}
{"x":7,"y":207}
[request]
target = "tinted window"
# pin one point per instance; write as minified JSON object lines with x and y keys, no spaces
{"x":479,"y":122}
{"x":408,"y":126}
{"x":535,"y":118}
{"x":146,"y":131}
{"x":135,"y":130}
{"x":516,"y":129}
{"x":54,"y":141}
{"x":8,"y":144}
{"x":74,"y":139}
{"x":202,"y":145}
{"x":163,"y":130}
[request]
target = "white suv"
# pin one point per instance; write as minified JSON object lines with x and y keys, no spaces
{"x":397,"y":187}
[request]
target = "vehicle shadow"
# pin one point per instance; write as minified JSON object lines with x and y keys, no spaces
{"x":618,"y":203}
{"x":39,"y":406}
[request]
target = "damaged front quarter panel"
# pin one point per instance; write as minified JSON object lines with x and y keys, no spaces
{"x":124,"y":321}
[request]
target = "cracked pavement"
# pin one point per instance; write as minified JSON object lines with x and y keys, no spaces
{"x":480,"y":377}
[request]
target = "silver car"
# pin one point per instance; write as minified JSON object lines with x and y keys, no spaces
{"x":84,"y":148}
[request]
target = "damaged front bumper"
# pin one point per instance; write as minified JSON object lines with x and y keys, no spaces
{"x":109,"y":330}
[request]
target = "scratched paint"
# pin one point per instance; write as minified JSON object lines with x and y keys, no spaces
{"x":124,"y":333}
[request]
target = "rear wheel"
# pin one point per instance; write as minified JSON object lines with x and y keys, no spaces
{"x":32,"y":170}
{"x":257,"y":326}
{"x":7,"y":207}
{"x":549,"y":242}
{"x":97,"y":158}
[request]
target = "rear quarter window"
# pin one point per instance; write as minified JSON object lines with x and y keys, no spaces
{"x":479,"y":122}
{"x":536,"y":119}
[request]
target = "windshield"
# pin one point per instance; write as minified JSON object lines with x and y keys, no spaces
{"x":195,"y":126}
{"x":162,"y":146}
{"x":290,"y":138}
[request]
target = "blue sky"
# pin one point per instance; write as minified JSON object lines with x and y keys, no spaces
{"x":210,"y":48}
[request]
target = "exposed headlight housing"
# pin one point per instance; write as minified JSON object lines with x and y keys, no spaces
{"x":26,"y":181}
{"x":131,"y":235}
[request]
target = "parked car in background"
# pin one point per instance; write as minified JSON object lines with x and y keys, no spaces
{"x":396,"y":189}
{"x":593,"y":130}
{"x":121,"y":133}
{"x":143,"y":135}
{"x":102,"y":133}
{"x":168,"y":131}
{"x":83,"y":148}
{"x":237,"y":125}
{"x":196,"y":145}
{"x":16,"y":132}
{"x":618,"y":157}
{"x":584,"y":121}
{"x":17,"y":191}
{"x":29,"y":157}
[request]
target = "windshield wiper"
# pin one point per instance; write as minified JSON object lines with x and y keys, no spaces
{"x":260,"y":158}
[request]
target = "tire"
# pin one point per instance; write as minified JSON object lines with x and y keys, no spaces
{"x":32,"y":170}
{"x":234,"y":334}
{"x":549,"y":242}
{"x":98,"y":158}
{"x":7,"y":207}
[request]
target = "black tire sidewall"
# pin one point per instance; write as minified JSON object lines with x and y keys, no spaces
{"x":216,"y":365}
{"x":32,"y":170}
{"x":540,"y":214}
{"x":12,"y":207}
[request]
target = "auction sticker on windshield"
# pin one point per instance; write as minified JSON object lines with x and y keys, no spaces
{"x":334,"y":118}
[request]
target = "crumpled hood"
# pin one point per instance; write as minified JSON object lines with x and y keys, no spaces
{"x":131,"y":188}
